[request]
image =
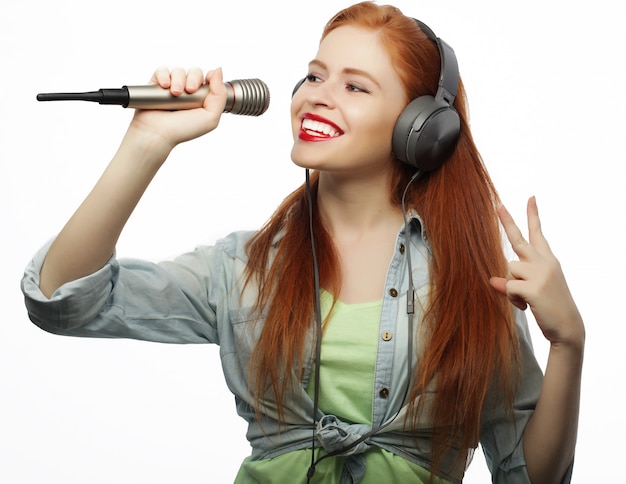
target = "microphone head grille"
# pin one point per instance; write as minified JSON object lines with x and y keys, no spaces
{"x":251,"y":97}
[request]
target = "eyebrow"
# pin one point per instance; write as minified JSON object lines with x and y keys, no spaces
{"x":346,"y":70}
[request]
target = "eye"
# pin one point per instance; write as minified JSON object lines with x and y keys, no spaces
{"x":312,"y":78}
{"x":355,"y":88}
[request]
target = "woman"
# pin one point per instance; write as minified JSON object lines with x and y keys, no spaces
{"x":421,"y":355}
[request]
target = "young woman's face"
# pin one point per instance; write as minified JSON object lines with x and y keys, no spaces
{"x":343,"y":114}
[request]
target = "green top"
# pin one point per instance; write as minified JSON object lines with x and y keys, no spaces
{"x":347,"y":365}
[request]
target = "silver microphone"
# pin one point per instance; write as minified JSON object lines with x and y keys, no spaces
{"x":250,"y":97}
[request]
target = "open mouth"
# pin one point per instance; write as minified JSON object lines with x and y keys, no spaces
{"x":319,"y":129}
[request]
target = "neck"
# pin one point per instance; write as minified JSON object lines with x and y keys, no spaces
{"x":349,"y":205}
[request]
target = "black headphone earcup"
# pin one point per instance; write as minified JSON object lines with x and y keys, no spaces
{"x":300,"y":82}
{"x":426,"y":133}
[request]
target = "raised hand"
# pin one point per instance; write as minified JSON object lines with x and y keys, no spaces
{"x":537,"y":281}
{"x":174,"y":127}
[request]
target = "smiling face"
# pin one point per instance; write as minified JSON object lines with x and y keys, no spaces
{"x":343,"y":114}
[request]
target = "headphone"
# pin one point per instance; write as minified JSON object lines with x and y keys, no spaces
{"x":426,"y":132}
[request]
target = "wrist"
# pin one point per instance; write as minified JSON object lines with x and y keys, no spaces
{"x":574,"y":342}
{"x":148,"y":147}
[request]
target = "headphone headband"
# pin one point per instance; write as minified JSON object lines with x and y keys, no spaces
{"x":449,"y":73}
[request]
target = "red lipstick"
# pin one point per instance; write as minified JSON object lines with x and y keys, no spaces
{"x":313,"y":134}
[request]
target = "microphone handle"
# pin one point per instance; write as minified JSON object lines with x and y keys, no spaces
{"x":155,"y":97}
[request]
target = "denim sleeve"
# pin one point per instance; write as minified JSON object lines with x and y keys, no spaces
{"x":502,"y":435}
{"x":169,"y":302}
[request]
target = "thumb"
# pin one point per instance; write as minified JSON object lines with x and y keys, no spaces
{"x":216,"y":99}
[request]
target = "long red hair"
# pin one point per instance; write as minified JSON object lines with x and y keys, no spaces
{"x":471,"y":351}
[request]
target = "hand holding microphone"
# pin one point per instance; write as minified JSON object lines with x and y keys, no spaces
{"x":180,"y":92}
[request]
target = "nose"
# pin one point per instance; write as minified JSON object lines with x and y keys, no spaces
{"x":319,"y":93}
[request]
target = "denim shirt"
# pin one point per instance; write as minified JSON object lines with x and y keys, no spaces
{"x":199,"y":297}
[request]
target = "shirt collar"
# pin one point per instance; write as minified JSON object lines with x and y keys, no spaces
{"x":415,"y":220}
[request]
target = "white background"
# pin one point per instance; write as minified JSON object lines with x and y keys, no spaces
{"x":545,"y":84}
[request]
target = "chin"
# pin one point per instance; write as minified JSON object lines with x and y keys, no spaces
{"x":299,"y":159}
{"x":305,"y":164}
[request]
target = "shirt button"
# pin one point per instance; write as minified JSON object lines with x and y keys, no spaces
{"x":402,"y":248}
{"x":384,"y":393}
{"x":393,"y":292}
{"x":387,"y":336}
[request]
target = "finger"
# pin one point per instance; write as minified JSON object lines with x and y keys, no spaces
{"x":536,"y":236}
{"x":513,"y":233}
{"x":161,"y":77}
{"x":215,"y":79}
{"x":520,"y":270}
{"x":178,"y":81}
{"x":500,"y":284}
{"x":216,"y":100}
{"x":194,"y":80}
{"x":514,"y":291}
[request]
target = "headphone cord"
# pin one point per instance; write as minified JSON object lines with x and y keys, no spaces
{"x":410,"y":296}
{"x":318,"y":333}
{"x":318,"y":339}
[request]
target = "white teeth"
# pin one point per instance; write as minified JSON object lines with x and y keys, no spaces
{"x":319,"y":128}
